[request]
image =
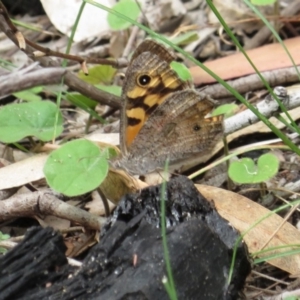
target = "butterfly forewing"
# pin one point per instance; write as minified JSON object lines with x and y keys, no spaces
{"x":149,"y":80}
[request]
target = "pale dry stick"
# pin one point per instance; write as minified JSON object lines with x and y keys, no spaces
{"x":130,"y":41}
{"x":8,"y":244}
{"x":71,"y":229}
{"x":262,"y":290}
{"x":18,"y":81}
{"x":274,"y":78}
{"x":17,"y":239}
{"x":284,"y":192}
{"x":265,"y":290}
{"x":285,"y":201}
{"x":22,"y":71}
{"x":279,"y":227}
{"x":267,"y":107}
{"x":269,"y":277}
{"x":45,"y":203}
{"x":292,"y":187}
{"x":73,"y":262}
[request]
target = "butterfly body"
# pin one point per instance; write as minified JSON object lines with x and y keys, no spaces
{"x":163,"y":117}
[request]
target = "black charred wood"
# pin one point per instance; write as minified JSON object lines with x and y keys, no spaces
{"x":31,"y":7}
{"x":128,"y":263}
{"x":33,"y":263}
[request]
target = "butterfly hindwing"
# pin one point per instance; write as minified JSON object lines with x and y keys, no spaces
{"x":176,"y":131}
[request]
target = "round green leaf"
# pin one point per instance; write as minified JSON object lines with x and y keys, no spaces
{"x":128,"y":8}
{"x":76,"y":168}
{"x":30,"y":119}
{"x":245,"y":170}
{"x":98,"y":74}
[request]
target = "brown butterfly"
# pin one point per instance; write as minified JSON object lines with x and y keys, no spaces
{"x":163,"y":117}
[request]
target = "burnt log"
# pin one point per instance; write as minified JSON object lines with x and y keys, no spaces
{"x":128,"y":262}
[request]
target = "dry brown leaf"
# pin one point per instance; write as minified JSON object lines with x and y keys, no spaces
{"x":265,"y":58}
{"x":242,"y":212}
{"x":118,"y":183}
{"x":54,"y":222}
{"x":22,"y":172}
{"x":96,"y":206}
{"x":31,"y":169}
{"x":80,"y":242}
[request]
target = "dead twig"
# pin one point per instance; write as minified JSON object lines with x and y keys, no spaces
{"x":268,"y":107}
{"x":42,"y":51}
{"x":264,"y":33}
{"x":70,"y":79}
{"x":274,"y":78}
{"x":18,"y":81}
{"x":44,"y":203}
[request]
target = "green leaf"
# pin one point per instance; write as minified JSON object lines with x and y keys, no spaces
{"x":185,"y":38}
{"x":112,"y":89}
{"x":291,"y":298}
{"x":245,"y":170}
{"x":263,"y":2}
{"x":84,"y":103}
{"x":76,"y":168}
{"x":128,"y":8}
{"x":30,"y":94}
{"x":182,"y":71}
{"x":30,"y":119}
{"x":112,"y":153}
{"x":226,"y":109}
{"x":81,"y":100}
{"x":4,"y":236}
{"x":98,"y":74}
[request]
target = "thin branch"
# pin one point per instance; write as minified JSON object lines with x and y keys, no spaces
{"x":274,"y":78}
{"x":45,"y":203}
{"x":71,"y":80}
{"x":18,"y":81}
{"x":42,"y":51}
{"x":267,"y":107}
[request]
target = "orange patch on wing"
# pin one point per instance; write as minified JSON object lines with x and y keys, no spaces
{"x":131,"y":133}
{"x":132,"y":130}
